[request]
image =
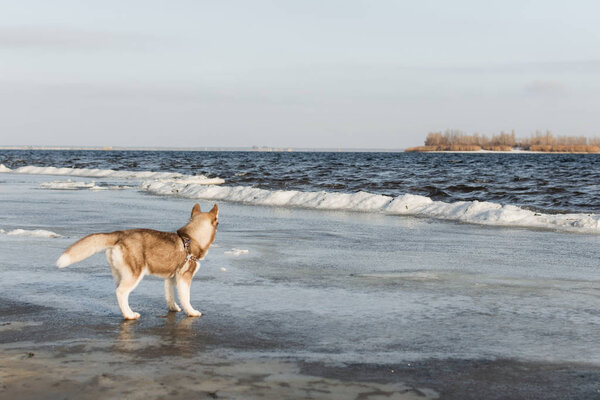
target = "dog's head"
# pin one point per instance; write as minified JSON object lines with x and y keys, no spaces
{"x":202,"y":227}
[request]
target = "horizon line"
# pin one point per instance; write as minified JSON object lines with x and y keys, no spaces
{"x":207,"y":148}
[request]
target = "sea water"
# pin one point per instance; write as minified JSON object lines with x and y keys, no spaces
{"x":554,"y":191}
{"x":348,"y":284}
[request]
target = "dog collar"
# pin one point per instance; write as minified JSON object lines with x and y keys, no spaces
{"x":186,"y":247}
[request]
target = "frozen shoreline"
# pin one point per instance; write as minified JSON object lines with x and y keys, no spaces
{"x":473,"y":212}
{"x":43,"y":354}
{"x":163,"y":356}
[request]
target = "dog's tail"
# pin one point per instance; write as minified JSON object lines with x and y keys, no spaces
{"x":87,"y":247}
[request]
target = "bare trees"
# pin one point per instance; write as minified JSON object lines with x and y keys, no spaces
{"x":455,"y":140}
{"x":546,"y":142}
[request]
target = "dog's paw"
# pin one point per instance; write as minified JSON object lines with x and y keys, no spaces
{"x":174,"y":308}
{"x":194,"y":313}
{"x":132,"y":316}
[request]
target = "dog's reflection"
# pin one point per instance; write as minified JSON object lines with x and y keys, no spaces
{"x":169,"y":335}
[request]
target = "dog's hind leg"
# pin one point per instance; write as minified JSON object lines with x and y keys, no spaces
{"x":125,"y":279}
{"x":184,"y":281}
{"x":170,"y":294}
{"x":127,"y":284}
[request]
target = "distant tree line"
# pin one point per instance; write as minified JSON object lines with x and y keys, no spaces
{"x":455,"y":140}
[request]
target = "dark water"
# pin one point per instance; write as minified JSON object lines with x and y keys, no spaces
{"x":546,"y":182}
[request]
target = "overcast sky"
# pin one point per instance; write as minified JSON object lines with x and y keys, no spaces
{"x":327,"y":73}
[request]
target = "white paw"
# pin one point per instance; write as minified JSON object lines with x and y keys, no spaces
{"x":194,"y":313}
{"x":175,"y":308}
{"x":132,"y":316}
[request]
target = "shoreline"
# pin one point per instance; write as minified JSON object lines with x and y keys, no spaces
{"x":499,"y":152}
{"x":44,"y":351}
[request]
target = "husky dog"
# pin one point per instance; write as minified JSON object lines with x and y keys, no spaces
{"x":136,"y":252}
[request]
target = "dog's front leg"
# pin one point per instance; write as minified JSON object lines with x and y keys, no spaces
{"x":184,"y":282}
{"x":170,"y":294}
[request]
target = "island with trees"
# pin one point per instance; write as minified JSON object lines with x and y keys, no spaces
{"x":546,"y":142}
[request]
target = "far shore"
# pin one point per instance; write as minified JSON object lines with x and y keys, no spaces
{"x":515,"y":151}
{"x":457,"y":141}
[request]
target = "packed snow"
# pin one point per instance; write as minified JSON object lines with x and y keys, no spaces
{"x":237,"y":252}
{"x":109,"y":173}
{"x":38,"y":233}
{"x":474,"y":212}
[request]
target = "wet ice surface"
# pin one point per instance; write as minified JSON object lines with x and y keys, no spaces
{"x":319,"y":286}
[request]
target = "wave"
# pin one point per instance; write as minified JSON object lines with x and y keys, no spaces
{"x":474,"y":212}
{"x":201,"y":187}
{"x":110,"y":173}
{"x":40,"y":233}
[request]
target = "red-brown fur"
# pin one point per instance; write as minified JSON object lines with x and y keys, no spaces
{"x":135,"y":252}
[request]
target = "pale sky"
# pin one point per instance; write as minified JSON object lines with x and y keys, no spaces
{"x":304,"y":73}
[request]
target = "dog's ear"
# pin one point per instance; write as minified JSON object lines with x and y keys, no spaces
{"x":215,"y":211}
{"x":196,"y":209}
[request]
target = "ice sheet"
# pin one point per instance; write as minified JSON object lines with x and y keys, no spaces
{"x":325,"y":286}
{"x":78,"y":185}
